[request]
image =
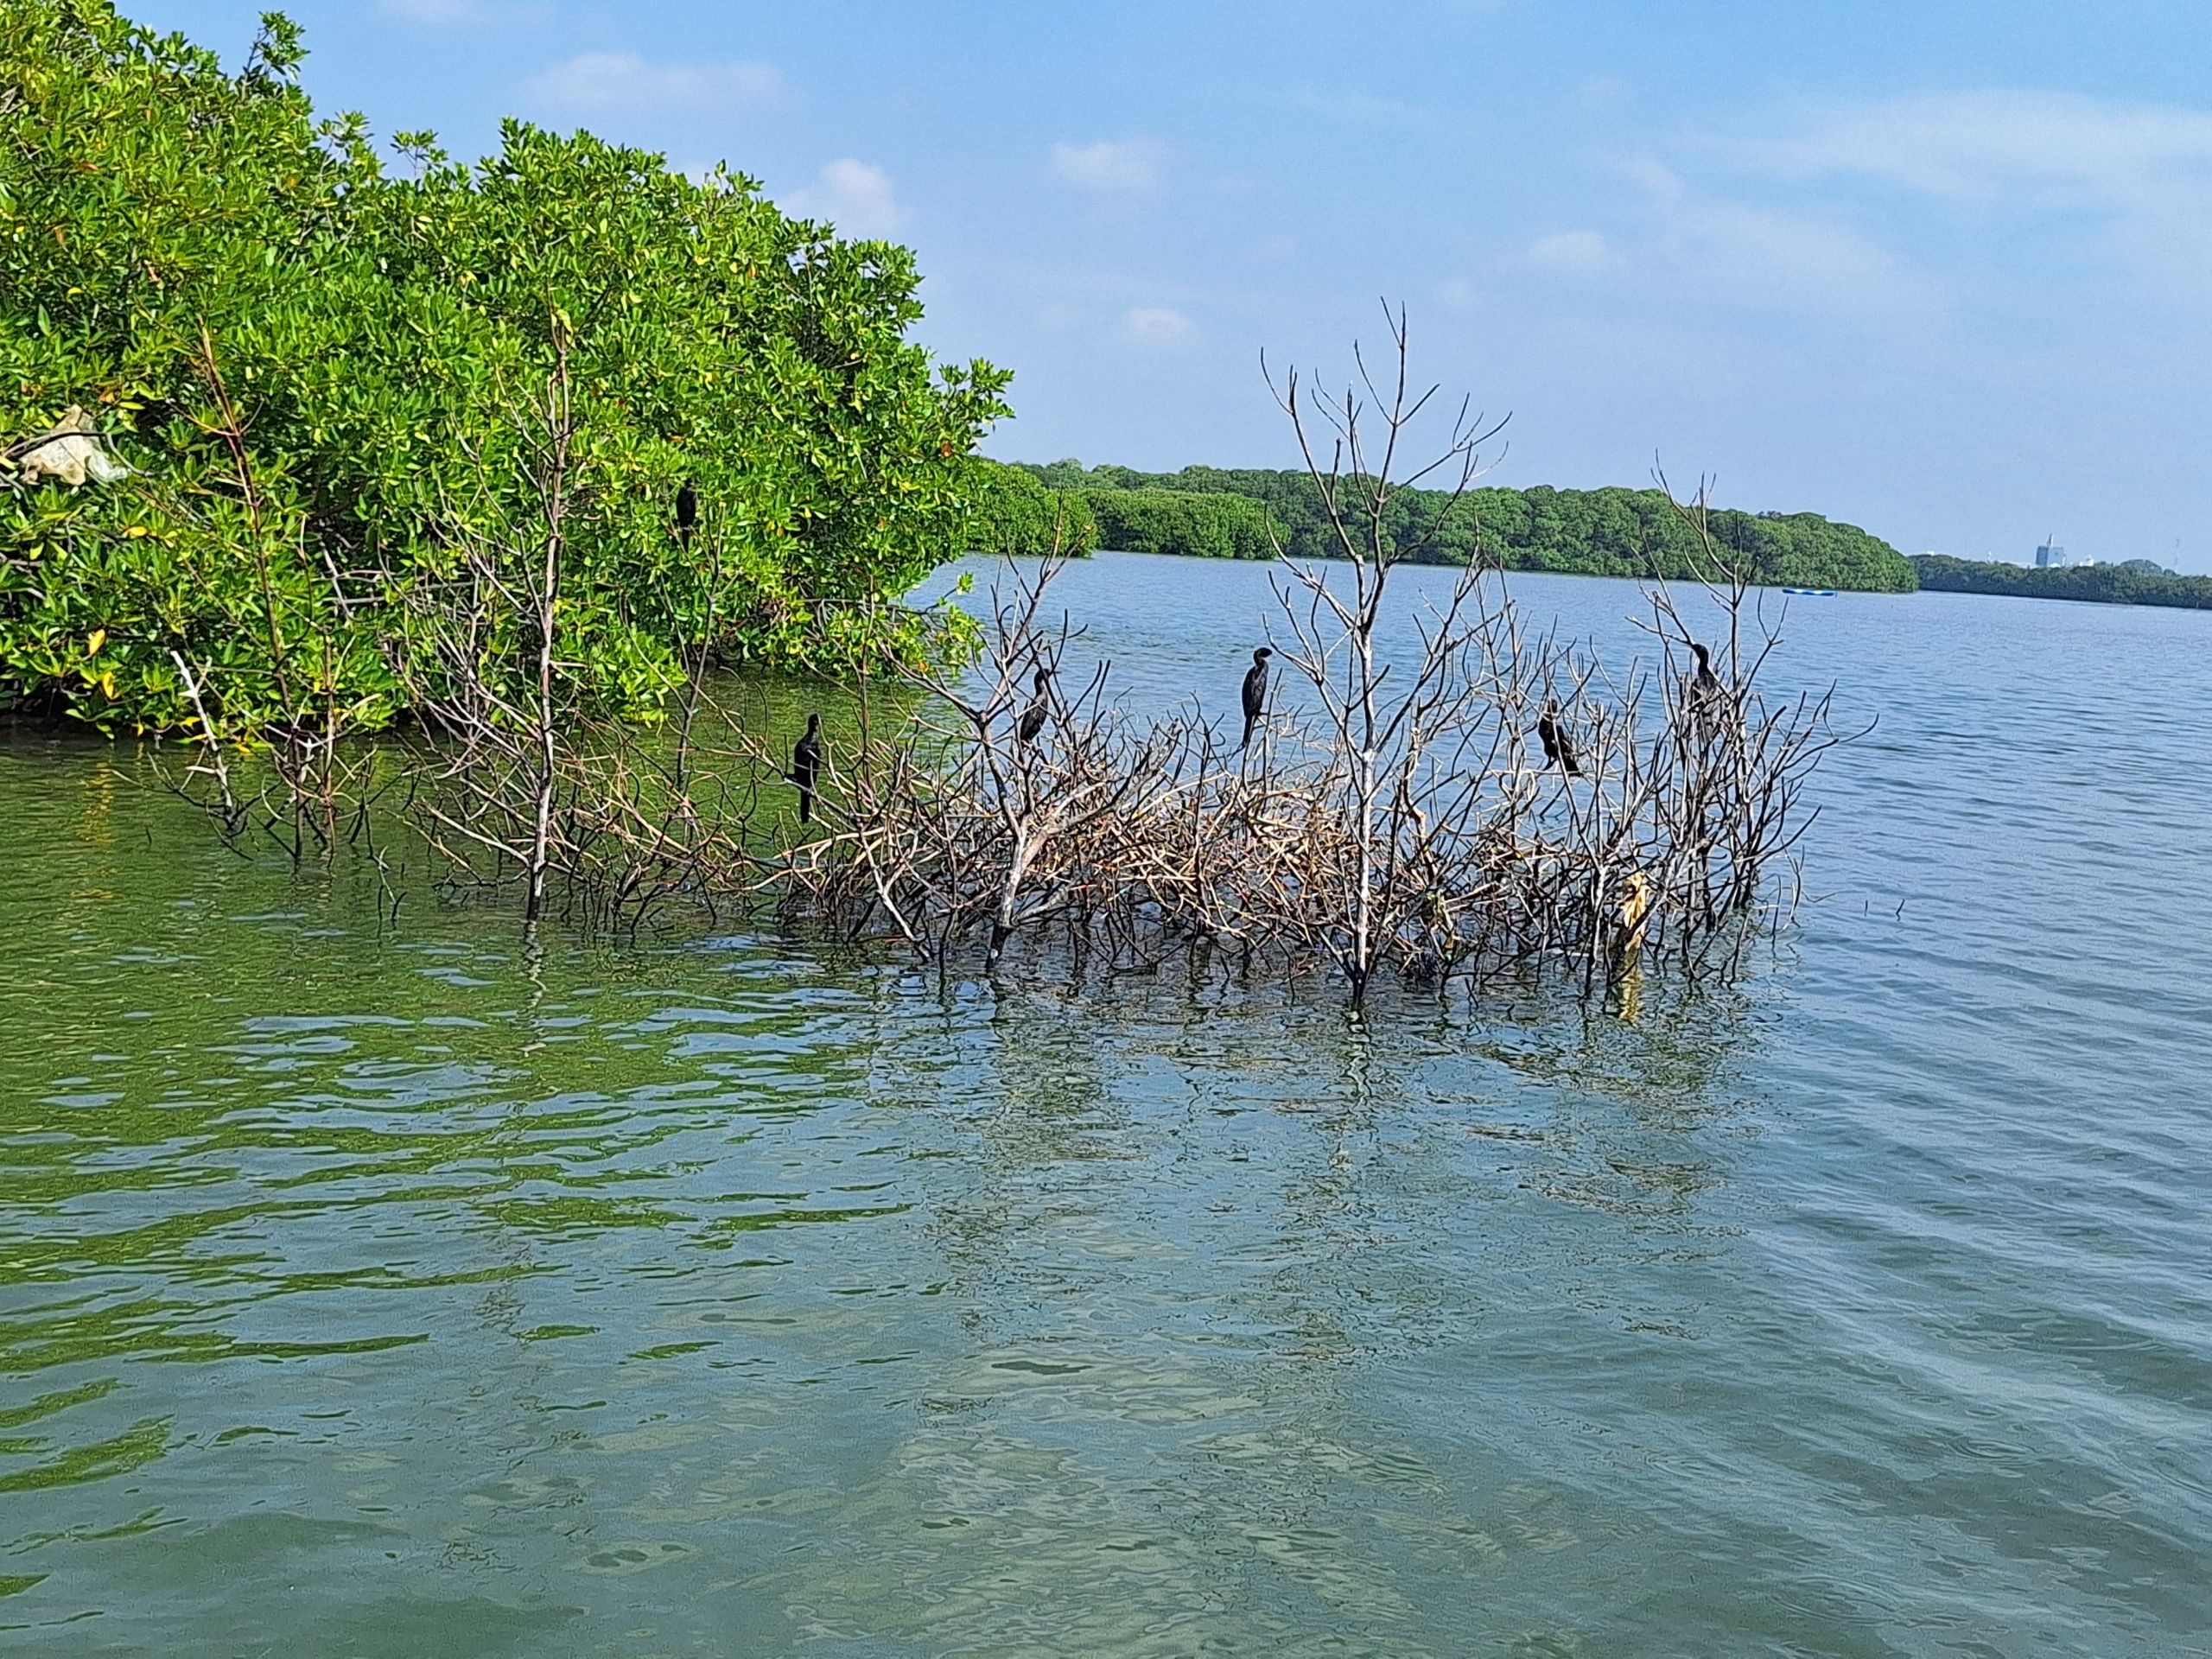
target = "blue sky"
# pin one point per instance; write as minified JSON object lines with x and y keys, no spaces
{"x":1941,"y":268}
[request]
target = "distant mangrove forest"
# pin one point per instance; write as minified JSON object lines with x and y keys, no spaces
{"x":1244,"y":513}
{"x":2102,"y":584}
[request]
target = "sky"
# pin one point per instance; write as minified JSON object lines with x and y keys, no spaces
{"x":1939,"y":268}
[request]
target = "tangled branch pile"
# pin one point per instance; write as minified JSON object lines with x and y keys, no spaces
{"x":1439,"y":798}
{"x":1499,"y":799}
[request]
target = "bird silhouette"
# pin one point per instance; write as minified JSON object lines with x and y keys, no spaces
{"x":1559,"y":748}
{"x":1255,"y":693}
{"x":1705,"y":694}
{"x":1033,"y":718}
{"x":687,"y":510}
{"x":806,"y":766}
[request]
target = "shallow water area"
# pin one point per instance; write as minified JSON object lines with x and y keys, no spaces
{"x":415,"y":1290}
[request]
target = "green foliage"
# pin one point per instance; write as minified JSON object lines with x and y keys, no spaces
{"x":2105,"y":584}
{"x":1205,"y":526}
{"x":1638,"y":532}
{"x":320,"y":371}
{"x":1585,"y":532}
{"x":1016,"y":513}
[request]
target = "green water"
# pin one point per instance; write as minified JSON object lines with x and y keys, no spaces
{"x":376,"y":1289}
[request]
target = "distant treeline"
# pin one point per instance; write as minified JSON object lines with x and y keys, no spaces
{"x":1014,"y":510}
{"x":2104,"y":584}
{"x":1011,"y":511}
{"x":1583,"y":532}
{"x":1208,"y":526}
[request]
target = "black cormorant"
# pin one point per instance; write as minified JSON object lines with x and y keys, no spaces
{"x":1255,"y":693}
{"x":1559,"y":748}
{"x":1033,"y":717}
{"x":806,"y":766}
{"x":1705,"y":694}
{"x":687,"y":510}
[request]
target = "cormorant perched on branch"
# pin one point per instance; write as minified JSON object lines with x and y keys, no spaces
{"x":1255,"y":693}
{"x":806,"y":766}
{"x":1033,"y":717}
{"x":1706,"y":693}
{"x":1559,"y":748}
{"x":687,"y":511}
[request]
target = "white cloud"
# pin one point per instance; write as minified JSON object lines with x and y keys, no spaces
{"x":1125,"y":164}
{"x":1159,"y":326}
{"x":1792,"y":259}
{"x":1581,"y":252}
{"x":1746,"y":254}
{"x":2043,"y":148}
{"x":855,"y":197}
{"x":1659,"y":181}
{"x":441,"y":11}
{"x":2139,"y":174}
{"x":472,"y":14}
{"x":606,"y":81}
{"x":1365,"y":109}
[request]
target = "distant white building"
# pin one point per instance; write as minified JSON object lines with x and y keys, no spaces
{"x":2050,"y":556}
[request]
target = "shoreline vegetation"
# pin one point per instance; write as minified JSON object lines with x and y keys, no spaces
{"x":1249,"y":513}
{"x":303,"y":392}
{"x":2096,"y":584}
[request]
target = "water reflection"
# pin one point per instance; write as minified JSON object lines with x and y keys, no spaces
{"x":853,"y":1309}
{"x":380,"y":1290}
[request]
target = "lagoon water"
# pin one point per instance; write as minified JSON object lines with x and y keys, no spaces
{"x":410,"y":1292}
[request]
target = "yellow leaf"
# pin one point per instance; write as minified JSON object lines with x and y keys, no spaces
{"x":107,"y":684}
{"x":136,"y":532}
{"x":93,"y":646}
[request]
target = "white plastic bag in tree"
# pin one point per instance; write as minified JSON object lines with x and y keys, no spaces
{"x":70,"y":451}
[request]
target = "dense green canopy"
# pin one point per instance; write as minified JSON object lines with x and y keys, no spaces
{"x":1016,"y":513}
{"x":1587,"y":532}
{"x":167,"y":230}
{"x":1209,"y":526}
{"x":2139,"y":582}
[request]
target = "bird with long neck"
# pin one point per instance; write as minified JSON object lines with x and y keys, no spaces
{"x":1559,"y":745}
{"x":1032,"y":722}
{"x":1705,"y":694}
{"x":1705,"y":679}
{"x":1255,"y":693}
{"x":806,"y":767}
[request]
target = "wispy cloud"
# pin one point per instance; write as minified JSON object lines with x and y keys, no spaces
{"x":2043,"y":148}
{"x":450,"y":13}
{"x":1801,"y":255}
{"x":1580,"y":252}
{"x":854,"y":195}
{"x":614,"y":81}
{"x":1359,"y":109}
{"x":2141,"y":172}
{"x":1111,"y":164}
{"x":1159,"y":326}
{"x":1773,"y":257}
